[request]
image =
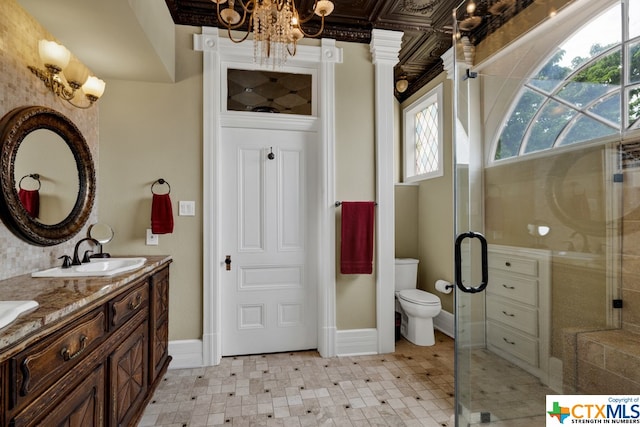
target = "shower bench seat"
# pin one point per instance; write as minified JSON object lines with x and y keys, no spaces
{"x":604,"y":362}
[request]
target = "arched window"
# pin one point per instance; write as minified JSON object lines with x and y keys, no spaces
{"x":589,"y":88}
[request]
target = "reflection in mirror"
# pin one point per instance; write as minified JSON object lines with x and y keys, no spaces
{"x":103,"y":233}
{"x":32,"y":140}
{"x":58,"y":179}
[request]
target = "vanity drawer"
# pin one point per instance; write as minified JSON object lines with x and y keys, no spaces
{"x":512,"y":342}
{"x":128,"y":304}
{"x":513,"y":264}
{"x":520,"y":289}
{"x":518,"y":317}
{"x":39,"y":366}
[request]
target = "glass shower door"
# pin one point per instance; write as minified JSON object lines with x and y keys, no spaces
{"x":547,"y":170}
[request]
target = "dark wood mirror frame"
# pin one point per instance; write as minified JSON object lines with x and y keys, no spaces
{"x":14,"y":127}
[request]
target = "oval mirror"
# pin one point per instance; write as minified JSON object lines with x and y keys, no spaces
{"x":46,"y":163}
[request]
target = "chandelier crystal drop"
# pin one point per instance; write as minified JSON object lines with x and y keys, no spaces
{"x":276,"y":25}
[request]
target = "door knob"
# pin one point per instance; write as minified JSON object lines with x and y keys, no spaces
{"x":227,"y":261}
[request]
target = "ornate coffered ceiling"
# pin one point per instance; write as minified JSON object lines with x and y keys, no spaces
{"x":427,"y":26}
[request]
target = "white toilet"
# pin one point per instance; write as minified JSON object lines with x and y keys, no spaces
{"x":418,"y":307}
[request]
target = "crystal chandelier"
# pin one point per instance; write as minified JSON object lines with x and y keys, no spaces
{"x":276,"y":25}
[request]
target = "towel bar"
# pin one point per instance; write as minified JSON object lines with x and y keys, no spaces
{"x":338,"y":203}
{"x":33,"y":176}
{"x":161,"y":181}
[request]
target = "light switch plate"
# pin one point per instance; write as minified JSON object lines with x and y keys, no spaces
{"x":152,"y":239}
{"x":187,"y":208}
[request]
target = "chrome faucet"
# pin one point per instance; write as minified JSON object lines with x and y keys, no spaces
{"x":76,"y":257}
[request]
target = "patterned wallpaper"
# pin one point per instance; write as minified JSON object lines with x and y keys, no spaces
{"x":19,"y":35}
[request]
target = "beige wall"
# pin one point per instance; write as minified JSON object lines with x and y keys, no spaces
{"x":631,"y":252}
{"x":355,"y":173}
{"x":19,"y":87}
{"x":406,"y":214}
{"x":435,"y":211}
{"x":150,"y":131}
{"x":519,"y":25}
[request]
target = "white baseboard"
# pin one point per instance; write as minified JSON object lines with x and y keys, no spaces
{"x":555,"y":374}
{"x":356,"y":342}
{"x":185,"y":354}
{"x":445,"y":323}
{"x":352,"y":342}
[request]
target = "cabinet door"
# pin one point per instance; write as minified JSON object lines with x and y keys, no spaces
{"x":128,"y":366}
{"x":159,"y":323}
{"x":83,"y":407}
{"x":35,"y":369}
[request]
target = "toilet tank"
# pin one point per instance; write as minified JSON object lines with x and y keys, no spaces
{"x":406,"y":273}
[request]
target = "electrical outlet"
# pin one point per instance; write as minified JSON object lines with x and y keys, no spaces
{"x":152,"y":239}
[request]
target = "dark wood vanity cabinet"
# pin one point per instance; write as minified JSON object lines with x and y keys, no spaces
{"x":97,"y":369}
{"x":159,"y":323}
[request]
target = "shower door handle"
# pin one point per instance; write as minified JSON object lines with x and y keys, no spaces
{"x":458,"y":262}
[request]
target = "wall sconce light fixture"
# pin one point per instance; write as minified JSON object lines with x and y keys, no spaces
{"x":64,"y":76}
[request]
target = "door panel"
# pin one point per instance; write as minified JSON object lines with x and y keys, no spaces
{"x":559,"y":213}
{"x":269,"y":293}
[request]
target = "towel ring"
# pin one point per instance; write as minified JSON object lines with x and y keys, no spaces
{"x":33,"y":176}
{"x":160,"y":181}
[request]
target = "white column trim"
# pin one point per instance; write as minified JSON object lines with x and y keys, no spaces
{"x":208,"y":43}
{"x":384,"y":47}
{"x":327,"y":328}
{"x":323,"y":59}
{"x":448,"y":62}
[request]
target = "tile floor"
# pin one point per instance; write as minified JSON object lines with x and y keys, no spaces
{"x":412,"y":387}
{"x":510,"y":396}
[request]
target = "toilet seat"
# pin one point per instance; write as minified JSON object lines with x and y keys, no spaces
{"x":418,"y":296}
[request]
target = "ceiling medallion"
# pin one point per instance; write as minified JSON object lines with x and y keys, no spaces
{"x":411,"y":7}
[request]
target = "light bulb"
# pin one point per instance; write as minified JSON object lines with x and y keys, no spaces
{"x":53,"y":54}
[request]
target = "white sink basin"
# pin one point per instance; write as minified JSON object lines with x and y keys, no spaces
{"x":98,"y":267}
{"x":10,"y":310}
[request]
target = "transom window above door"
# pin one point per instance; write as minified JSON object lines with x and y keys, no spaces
{"x":269,"y":92}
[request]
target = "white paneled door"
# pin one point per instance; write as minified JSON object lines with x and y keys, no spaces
{"x":268,"y":283}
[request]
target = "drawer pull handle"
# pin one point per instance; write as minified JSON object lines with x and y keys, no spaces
{"x":508,"y":264}
{"x":135,"y":305}
{"x":508,"y":342}
{"x":508,"y":314}
{"x":508,"y":287}
{"x":66,"y":353}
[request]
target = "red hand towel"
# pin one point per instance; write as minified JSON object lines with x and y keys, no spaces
{"x":30,"y":199}
{"x":356,"y":254}
{"x":161,"y":214}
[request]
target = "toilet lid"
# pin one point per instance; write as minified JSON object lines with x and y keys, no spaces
{"x":418,"y":296}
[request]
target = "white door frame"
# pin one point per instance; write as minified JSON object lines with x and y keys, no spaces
{"x":217,"y":51}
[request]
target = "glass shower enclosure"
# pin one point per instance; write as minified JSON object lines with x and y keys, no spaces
{"x":547,"y":161}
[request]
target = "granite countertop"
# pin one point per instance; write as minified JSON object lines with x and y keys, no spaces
{"x":58,"y":297}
